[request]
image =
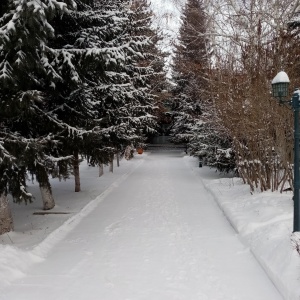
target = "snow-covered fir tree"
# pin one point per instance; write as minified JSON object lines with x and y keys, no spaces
{"x":128,"y":97}
{"x":189,"y":71}
{"x":151,"y":67}
{"x":72,"y":84}
{"x":25,"y":73}
{"x":98,"y":98}
{"x":194,"y":117}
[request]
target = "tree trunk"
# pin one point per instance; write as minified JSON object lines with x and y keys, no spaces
{"x":47,"y":197}
{"x":118,"y":159}
{"x":6,"y":220}
{"x":101,"y":171}
{"x":45,"y":187}
{"x":111,"y":164}
{"x":76,"y":171}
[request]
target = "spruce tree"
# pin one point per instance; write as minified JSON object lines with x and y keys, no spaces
{"x":189,"y":68}
{"x":72,"y":83}
{"x":25,"y":73}
{"x":110,"y":104}
{"x":151,"y":67}
{"x":194,"y":116}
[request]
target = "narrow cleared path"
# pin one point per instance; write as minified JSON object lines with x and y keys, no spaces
{"x":158,"y":235}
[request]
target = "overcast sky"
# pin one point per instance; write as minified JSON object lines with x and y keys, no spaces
{"x":167,"y":13}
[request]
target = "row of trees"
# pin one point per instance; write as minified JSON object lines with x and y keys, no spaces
{"x":83,"y":77}
{"x":195,"y":118}
{"x":227,"y":55}
{"x":260,"y":43}
{"x":77,"y":78}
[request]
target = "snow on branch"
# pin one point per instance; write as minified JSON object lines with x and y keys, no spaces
{"x":58,"y":159}
{"x":5,"y":70}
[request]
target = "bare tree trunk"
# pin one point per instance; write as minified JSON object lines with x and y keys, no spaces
{"x":101,"y":171}
{"x":111,"y":164}
{"x":76,"y":171}
{"x":45,"y":188}
{"x":128,"y":154}
{"x":118,"y":159}
{"x":6,"y":220}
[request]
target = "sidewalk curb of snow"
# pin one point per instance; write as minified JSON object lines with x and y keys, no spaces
{"x":58,"y":234}
{"x":282,"y":279}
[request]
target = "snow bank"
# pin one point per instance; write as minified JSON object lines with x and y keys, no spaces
{"x":264,"y":223}
{"x":14,"y":262}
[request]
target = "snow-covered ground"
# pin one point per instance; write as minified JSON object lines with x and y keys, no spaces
{"x":153,"y":230}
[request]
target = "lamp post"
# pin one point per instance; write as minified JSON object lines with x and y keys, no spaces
{"x":280,"y":85}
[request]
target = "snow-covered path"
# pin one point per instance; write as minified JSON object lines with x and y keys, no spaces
{"x":157,"y":235}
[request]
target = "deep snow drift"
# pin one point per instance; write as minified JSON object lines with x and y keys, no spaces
{"x":154,"y":232}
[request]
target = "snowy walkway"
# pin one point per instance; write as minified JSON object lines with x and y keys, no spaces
{"x":158,"y":235}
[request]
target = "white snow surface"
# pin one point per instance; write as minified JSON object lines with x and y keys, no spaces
{"x":281,"y":77}
{"x":158,"y":228}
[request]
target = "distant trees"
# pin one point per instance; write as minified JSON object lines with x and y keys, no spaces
{"x":75,"y":80}
{"x":194,"y":115}
{"x":151,"y":66}
{"x":189,"y":71}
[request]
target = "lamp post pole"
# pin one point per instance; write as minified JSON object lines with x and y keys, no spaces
{"x":296,"y":108}
{"x":280,"y":85}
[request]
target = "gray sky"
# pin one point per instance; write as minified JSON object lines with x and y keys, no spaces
{"x":167,"y":13}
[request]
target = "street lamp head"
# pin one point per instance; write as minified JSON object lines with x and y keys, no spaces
{"x":280,"y":85}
